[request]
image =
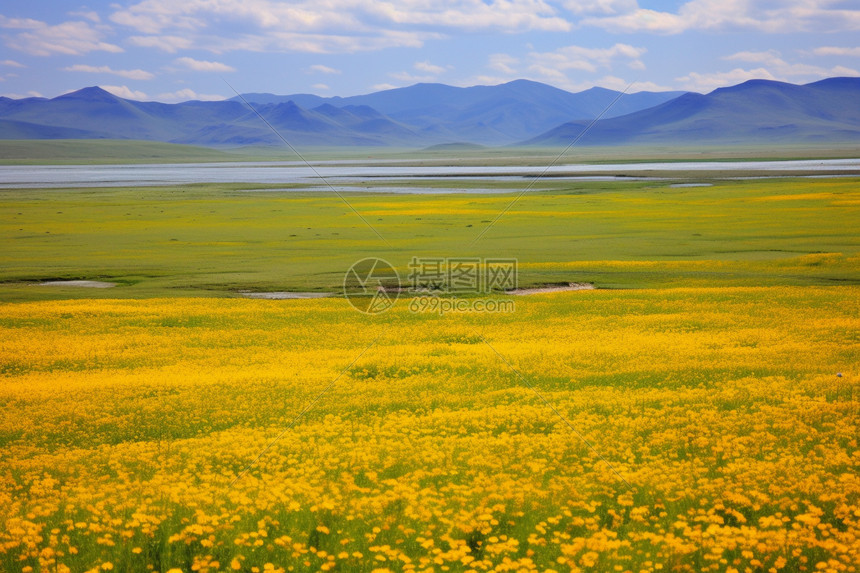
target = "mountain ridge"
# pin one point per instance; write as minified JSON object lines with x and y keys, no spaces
{"x":499,"y":114}
{"x":755,"y":111}
{"x":521,"y":112}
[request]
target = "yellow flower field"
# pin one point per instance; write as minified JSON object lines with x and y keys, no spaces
{"x":653,"y":430}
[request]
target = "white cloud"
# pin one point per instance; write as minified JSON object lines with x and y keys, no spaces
{"x":429,"y":68}
{"x":638,"y":86}
{"x":321,"y":69}
{"x":704,"y":83}
{"x":321,"y":87}
{"x":771,"y":17}
{"x":611,"y":82}
{"x":169,"y":44}
{"x":204,"y":66}
{"x":11,"y":64}
{"x":836,"y":51}
{"x":279,"y":41}
{"x":608,"y":82}
{"x":640,"y":20}
{"x":151,"y":17}
{"x":555,"y":64}
{"x":382,"y":87}
{"x":503,"y":63}
{"x":773,"y":62}
{"x":482,"y":80}
{"x":410,"y":78}
{"x":70,"y":38}
{"x":769,"y":56}
{"x":770,"y":65}
{"x":570,"y":68}
{"x":125,"y":92}
{"x":502,"y":15}
{"x":22,"y":96}
{"x":188,"y":94}
{"x":129,"y":74}
{"x":88,"y":15}
{"x":843,"y":71}
{"x":20,"y":23}
{"x":600,"y":6}
{"x":430,"y":74}
{"x":330,"y":26}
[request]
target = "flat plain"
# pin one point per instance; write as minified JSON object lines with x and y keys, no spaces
{"x":215,"y":240}
{"x":697,"y":411}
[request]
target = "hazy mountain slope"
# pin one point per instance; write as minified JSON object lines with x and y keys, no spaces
{"x":423,"y":115}
{"x":11,"y":129}
{"x":757,"y":111}
{"x":485,"y":114}
{"x":93,"y":113}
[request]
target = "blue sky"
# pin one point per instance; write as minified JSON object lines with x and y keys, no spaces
{"x":175,"y":50}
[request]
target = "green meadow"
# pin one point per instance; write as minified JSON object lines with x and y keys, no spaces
{"x":218,"y":239}
{"x":101,"y":152}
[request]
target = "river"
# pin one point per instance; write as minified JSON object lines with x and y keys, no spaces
{"x":294,"y":172}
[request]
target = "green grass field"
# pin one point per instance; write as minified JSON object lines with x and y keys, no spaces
{"x":76,"y":151}
{"x":96,"y":151}
{"x":215,"y":240}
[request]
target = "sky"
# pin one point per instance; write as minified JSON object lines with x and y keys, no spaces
{"x":177,"y":50}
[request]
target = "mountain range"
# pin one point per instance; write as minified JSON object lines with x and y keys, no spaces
{"x":493,"y":115}
{"x":754,"y":112}
{"x":520,"y":112}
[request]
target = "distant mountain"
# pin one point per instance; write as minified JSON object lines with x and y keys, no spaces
{"x":757,"y":111}
{"x":106,"y":116}
{"x":25,"y":130}
{"x":93,"y":113}
{"x":426,"y":115}
{"x":418,"y":116}
{"x":491,"y":115}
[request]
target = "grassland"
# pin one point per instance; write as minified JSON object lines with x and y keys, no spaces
{"x":76,"y":152}
{"x":214,"y":240}
{"x":96,"y":151}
